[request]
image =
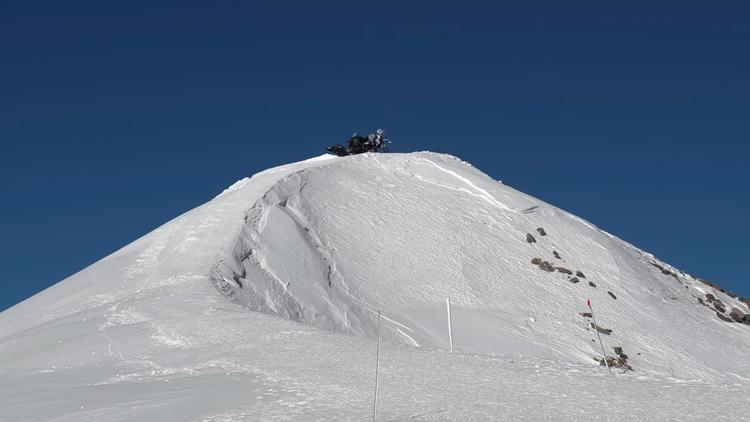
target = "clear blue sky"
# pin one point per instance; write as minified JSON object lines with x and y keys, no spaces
{"x":118,"y":116}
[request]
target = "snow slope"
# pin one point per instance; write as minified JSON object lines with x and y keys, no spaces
{"x":164,"y":329}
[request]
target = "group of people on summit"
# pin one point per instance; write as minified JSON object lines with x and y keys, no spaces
{"x":374,"y":142}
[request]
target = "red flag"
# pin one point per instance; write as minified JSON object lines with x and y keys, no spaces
{"x":588,"y":302}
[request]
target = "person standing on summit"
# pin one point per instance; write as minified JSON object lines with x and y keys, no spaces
{"x":357,"y":144}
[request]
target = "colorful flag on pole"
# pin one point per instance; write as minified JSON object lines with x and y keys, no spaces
{"x":588,"y":302}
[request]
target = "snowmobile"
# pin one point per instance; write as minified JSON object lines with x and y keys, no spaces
{"x":374,"y":142}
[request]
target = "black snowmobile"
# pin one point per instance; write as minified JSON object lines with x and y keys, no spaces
{"x":375,"y":142}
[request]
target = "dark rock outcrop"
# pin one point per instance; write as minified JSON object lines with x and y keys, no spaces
{"x":665,"y":271}
{"x":592,"y":284}
{"x":738,"y":315}
{"x":564,"y":270}
{"x":621,"y":361}
{"x":574,"y":280}
{"x":724,"y":317}
{"x":612,"y":294}
{"x":530,"y":238}
{"x":579,"y":273}
{"x":556,"y":255}
{"x":585,"y":314}
{"x":541,"y":231}
{"x":543,"y":265}
{"x":719,"y":306}
{"x":614,"y":362}
{"x":602,"y":330}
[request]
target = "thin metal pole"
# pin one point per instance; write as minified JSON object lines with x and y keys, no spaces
{"x":450,"y":322}
{"x":604,"y":354}
{"x":377,"y":370}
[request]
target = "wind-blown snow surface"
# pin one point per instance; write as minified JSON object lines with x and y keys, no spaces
{"x":319,"y":246}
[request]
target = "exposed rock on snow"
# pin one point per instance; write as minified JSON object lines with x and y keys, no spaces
{"x":738,"y":315}
{"x":530,"y":238}
{"x":602,"y":330}
{"x":543,"y":265}
{"x":723,"y":317}
{"x":719,"y":306}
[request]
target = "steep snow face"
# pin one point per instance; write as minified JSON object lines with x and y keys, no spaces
{"x":331,"y":245}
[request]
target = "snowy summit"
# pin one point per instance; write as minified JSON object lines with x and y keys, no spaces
{"x":262,"y":304}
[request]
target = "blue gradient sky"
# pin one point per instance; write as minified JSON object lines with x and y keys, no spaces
{"x":115,"y":117}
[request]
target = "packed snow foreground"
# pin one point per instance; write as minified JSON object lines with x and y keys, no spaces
{"x":262,"y":305}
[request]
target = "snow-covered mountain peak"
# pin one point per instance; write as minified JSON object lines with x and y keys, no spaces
{"x":332,"y":244}
{"x":308,"y":253}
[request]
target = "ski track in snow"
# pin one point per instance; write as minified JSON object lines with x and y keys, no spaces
{"x":145,"y":335}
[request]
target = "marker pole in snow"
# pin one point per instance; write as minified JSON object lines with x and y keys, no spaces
{"x":450,"y":322}
{"x":604,"y":354}
{"x":377,"y":370}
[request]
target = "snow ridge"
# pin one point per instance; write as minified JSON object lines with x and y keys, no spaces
{"x":331,"y":245}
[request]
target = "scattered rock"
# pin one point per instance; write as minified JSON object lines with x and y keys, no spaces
{"x":612,"y":294}
{"x":564,"y":270}
{"x":543,"y":265}
{"x":547,"y":266}
{"x":556,"y":255}
{"x":585,"y":314}
{"x":579,"y":273}
{"x":541,"y":231}
{"x":615,"y":363}
{"x":665,"y":271}
{"x":574,"y":280}
{"x":710,"y":297}
{"x":622,"y":363}
{"x":592,"y":284}
{"x":738,"y":315}
{"x":530,"y":238}
{"x":701,"y":302}
{"x":724,"y":317}
{"x":719,"y":306}
{"x":620,"y":353}
{"x":610,"y":361}
{"x":602,"y":330}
